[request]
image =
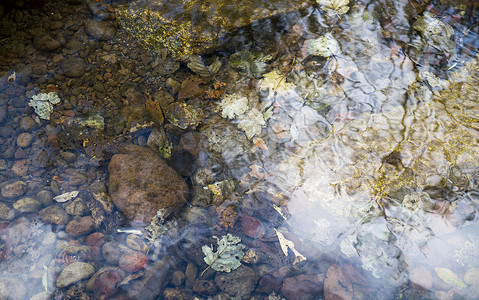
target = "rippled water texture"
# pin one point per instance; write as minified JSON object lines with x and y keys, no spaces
{"x":239,"y":150}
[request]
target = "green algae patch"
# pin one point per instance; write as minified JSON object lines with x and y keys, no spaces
{"x":194,"y":27}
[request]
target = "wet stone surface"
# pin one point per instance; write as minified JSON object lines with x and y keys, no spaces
{"x":346,"y":171}
{"x":141,"y":183}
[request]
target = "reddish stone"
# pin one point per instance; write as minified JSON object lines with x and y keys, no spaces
{"x":252,"y":226}
{"x":95,"y":239}
{"x":141,"y":183}
{"x":133,"y":262}
{"x":105,"y":284}
{"x":80,"y":226}
{"x":69,"y":113}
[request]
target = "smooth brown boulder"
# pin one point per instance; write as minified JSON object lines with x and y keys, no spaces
{"x":141,"y":183}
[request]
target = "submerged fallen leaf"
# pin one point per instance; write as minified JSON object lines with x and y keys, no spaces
{"x":257,"y":172}
{"x":450,"y":277}
{"x":336,"y":285}
{"x":334,"y":7}
{"x":251,"y":123}
{"x":285,"y":244}
{"x":226,"y":217}
{"x":260,"y":143}
{"x":153,"y":107}
{"x":190,"y":88}
{"x":66,"y":196}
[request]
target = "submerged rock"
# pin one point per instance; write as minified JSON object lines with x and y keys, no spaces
{"x":14,"y":190}
{"x":141,"y":183}
{"x":74,"y":272}
{"x":239,"y":282}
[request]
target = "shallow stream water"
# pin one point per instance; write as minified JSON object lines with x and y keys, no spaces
{"x":268,"y":150}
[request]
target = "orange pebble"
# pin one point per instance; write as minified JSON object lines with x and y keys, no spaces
{"x":133,"y":262}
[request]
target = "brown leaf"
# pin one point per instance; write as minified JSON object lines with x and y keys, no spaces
{"x":153,"y":107}
{"x":260,"y":143}
{"x":190,"y":88}
{"x":257,"y":172}
{"x":226,"y":217}
{"x":354,"y":275}
{"x":336,"y":285}
{"x":216,"y":91}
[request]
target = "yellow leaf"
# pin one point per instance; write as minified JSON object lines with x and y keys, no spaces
{"x":450,"y":277}
{"x":285,"y":244}
{"x":259,"y":142}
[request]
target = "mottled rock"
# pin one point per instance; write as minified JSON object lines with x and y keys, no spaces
{"x":204,"y":287}
{"x":24,"y":139}
{"x":20,"y":167}
{"x":154,"y":280}
{"x":190,"y":274}
{"x":24,"y":74}
{"x":74,"y":272}
{"x":77,"y":179}
{"x":112,"y":252}
{"x":54,"y":215}
{"x":27,"y":123}
{"x":105,"y":281}
{"x":74,"y":67}
{"x":3,"y":165}
{"x":133,"y":261}
{"x":6,"y":212}
{"x":80,"y":226}
{"x":68,"y":156}
{"x":237,"y":283}
{"x":76,"y":208}
{"x":45,"y":197}
{"x":95,"y":239}
{"x":141,"y":183}
{"x":178,"y":278}
{"x":12,"y":288}
{"x":100,"y":30}
{"x":42,"y":40}
{"x":14,"y":190}
{"x":27,"y":205}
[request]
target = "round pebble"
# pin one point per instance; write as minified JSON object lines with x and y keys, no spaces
{"x":45,"y":197}
{"x":54,"y":215}
{"x":80,"y":226}
{"x":74,"y":272}
{"x":27,"y":205}
{"x":74,"y":67}
{"x":6,"y":212}
{"x":27,"y":123}
{"x":24,"y":140}
{"x":14,"y":190}
{"x":100,"y":30}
